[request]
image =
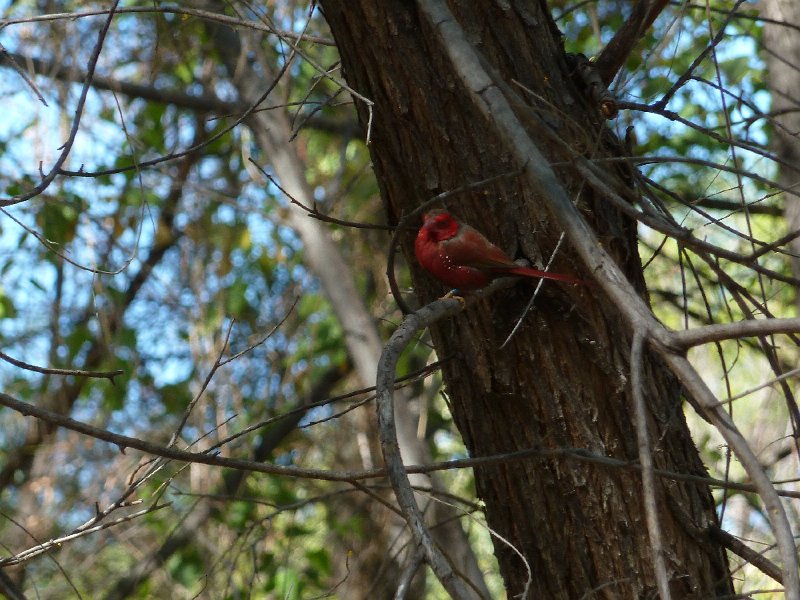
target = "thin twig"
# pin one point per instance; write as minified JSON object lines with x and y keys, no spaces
{"x":312,"y":211}
{"x":190,"y":407}
{"x":53,"y":371}
{"x":176,"y":10}
{"x":39,"y":549}
{"x":9,"y":58}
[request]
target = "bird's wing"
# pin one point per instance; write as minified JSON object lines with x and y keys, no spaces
{"x":470,"y":249}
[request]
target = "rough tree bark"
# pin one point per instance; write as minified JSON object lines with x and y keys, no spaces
{"x":563,"y":381}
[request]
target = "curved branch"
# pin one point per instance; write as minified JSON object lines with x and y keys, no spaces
{"x":405,"y":225}
{"x":388,"y":433}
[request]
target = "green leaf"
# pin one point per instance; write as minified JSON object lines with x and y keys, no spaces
{"x":175,"y":397}
{"x":57,"y":221}
{"x":186,"y":567}
{"x":7,"y":308}
{"x":236,"y":304}
{"x":320,"y":561}
{"x":239,"y":514}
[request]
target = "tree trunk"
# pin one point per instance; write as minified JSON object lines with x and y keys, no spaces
{"x":563,"y":380}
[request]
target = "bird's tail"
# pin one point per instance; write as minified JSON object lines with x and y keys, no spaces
{"x":539,"y":274}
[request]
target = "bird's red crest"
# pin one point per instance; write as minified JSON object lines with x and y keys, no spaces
{"x":440,"y":225}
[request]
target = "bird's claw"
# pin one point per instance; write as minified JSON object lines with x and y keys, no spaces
{"x":455,"y":294}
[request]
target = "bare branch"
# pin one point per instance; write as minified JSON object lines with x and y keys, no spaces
{"x":689,"y":72}
{"x":391,"y":449}
{"x":646,"y":460}
{"x":177,"y":10}
{"x":10,"y":59}
{"x":754,"y":558}
{"x":626,"y":37}
{"x":697,"y":336}
{"x":123,"y":442}
{"x":52,"y":371}
{"x":39,"y":549}
{"x":581,"y":454}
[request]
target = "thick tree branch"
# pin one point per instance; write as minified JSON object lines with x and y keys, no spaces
{"x":621,"y":45}
{"x":744,"y":551}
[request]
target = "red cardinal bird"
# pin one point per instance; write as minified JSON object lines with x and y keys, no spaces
{"x":460,"y":256}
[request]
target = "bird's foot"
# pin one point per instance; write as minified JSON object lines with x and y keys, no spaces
{"x":455,"y":294}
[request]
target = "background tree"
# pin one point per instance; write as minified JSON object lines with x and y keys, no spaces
{"x":198,"y":267}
